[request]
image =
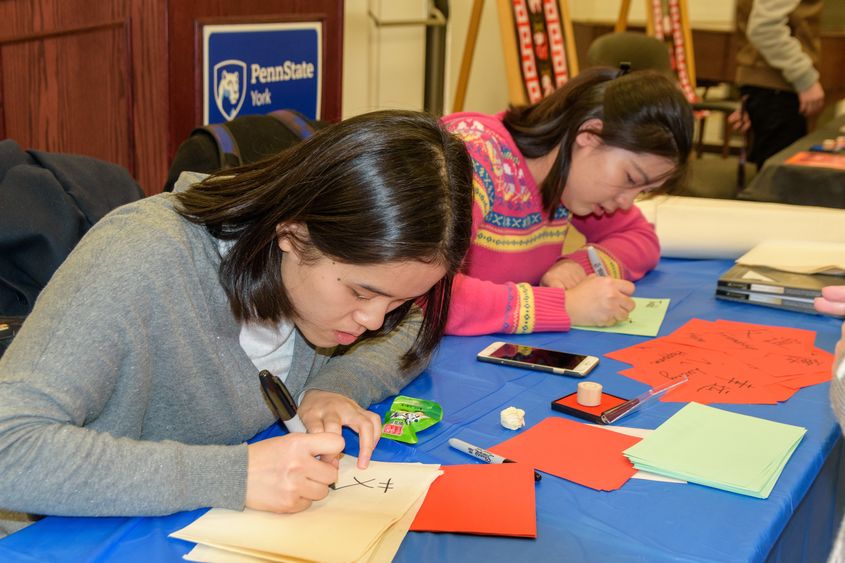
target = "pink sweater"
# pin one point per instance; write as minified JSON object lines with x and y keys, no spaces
{"x":514,"y":242}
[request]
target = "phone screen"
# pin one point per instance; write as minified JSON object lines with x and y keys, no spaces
{"x":531,"y":355}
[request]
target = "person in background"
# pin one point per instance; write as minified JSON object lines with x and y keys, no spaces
{"x":550,"y":179}
{"x":776,"y":70}
{"x":832,"y":302}
{"x":132,"y":387}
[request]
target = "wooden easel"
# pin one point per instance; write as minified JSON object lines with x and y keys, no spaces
{"x":668,"y":20}
{"x":525,"y":83}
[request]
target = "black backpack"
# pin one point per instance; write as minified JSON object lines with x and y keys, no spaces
{"x":245,"y":139}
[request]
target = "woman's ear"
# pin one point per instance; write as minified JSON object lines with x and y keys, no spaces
{"x":290,"y":236}
{"x":588,"y":133}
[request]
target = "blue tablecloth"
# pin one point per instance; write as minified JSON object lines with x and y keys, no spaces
{"x":643,"y":521}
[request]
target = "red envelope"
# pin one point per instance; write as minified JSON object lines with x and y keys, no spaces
{"x":586,"y":455}
{"x":491,"y":500}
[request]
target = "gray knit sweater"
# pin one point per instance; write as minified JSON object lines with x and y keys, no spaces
{"x":127,"y":392}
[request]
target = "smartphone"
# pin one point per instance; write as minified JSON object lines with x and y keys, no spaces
{"x":519,"y":355}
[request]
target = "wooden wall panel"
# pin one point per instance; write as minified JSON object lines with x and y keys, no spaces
{"x":66,"y":79}
{"x":70,"y":92}
{"x":150,"y":104}
{"x":116,"y":79}
{"x":23,"y":17}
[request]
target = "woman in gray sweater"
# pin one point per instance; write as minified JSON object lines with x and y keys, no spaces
{"x":132,"y":386}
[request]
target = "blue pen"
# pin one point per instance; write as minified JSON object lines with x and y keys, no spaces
{"x":596,"y":263}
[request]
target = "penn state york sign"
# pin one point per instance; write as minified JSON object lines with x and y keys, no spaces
{"x":258,"y":68}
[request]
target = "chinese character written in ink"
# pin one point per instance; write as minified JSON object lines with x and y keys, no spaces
{"x":357,"y":482}
{"x":690,"y":372}
{"x":667,"y":357}
{"x":669,"y":375}
{"x":740,"y":383}
{"x":782,"y":342}
{"x":737,"y":341}
{"x":802,"y":360}
{"x":697,"y":337}
{"x":717,"y":388}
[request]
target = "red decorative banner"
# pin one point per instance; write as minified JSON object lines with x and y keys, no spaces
{"x":676,"y":42}
{"x":542,"y":53}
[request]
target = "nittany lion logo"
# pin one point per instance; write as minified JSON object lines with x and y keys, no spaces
{"x":230,"y":87}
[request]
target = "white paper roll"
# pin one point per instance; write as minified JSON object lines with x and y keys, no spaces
{"x":695,"y":227}
{"x":589,"y":394}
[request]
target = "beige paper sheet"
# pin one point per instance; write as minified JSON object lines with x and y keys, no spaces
{"x":690,"y":227}
{"x":359,"y":511}
{"x":382,"y":552}
{"x":801,"y":257}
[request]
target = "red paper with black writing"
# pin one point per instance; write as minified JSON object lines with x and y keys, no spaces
{"x":493,"y":500}
{"x":729,"y":362}
{"x":587,"y":455}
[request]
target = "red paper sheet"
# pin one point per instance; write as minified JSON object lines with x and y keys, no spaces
{"x":587,"y":455}
{"x":781,"y":339}
{"x":492,"y":500}
{"x":729,"y":362}
{"x":817,"y":159}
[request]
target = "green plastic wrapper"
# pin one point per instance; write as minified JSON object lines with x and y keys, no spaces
{"x":407,"y":416}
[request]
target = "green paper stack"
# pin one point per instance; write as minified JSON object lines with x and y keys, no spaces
{"x":735,"y":452}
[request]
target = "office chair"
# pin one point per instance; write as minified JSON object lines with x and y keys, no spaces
{"x":641,"y":51}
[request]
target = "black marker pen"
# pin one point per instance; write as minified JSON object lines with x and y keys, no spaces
{"x":482,"y":454}
{"x":280,"y":400}
{"x":281,"y":403}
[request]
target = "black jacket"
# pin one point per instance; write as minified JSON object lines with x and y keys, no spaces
{"x":47,"y":202}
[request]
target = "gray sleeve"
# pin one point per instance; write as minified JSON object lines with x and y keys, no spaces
{"x":62,"y":469}
{"x":769,"y":33}
{"x":370,"y":370}
{"x":84,"y":344}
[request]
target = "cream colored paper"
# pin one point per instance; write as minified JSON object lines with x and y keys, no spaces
{"x":691,"y":227}
{"x":383,"y":552}
{"x":364,"y":504}
{"x":800,"y":257}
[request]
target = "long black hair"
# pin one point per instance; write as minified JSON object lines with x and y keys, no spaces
{"x":382,"y":187}
{"x":642,"y":112}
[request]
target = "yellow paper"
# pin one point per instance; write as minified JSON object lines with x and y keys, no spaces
{"x":382,"y":552}
{"x":361,"y":509}
{"x":800,"y":257}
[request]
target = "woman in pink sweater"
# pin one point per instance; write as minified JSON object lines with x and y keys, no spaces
{"x":554,"y":177}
